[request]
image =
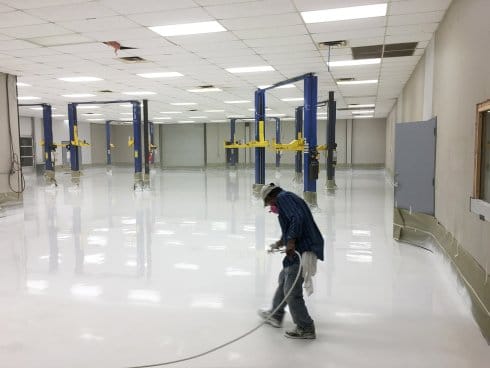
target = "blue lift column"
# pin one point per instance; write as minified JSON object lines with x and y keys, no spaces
{"x":259,"y":135}
{"x":298,"y":159}
{"x":108,"y":142}
{"x":278,"y":140}
{"x":311,"y":165}
{"x":74,"y":155}
{"x":138,"y":177}
{"x":331,"y":145}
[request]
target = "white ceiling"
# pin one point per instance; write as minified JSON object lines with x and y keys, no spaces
{"x":42,"y":40}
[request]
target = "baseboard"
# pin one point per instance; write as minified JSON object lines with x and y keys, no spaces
{"x":409,"y":227}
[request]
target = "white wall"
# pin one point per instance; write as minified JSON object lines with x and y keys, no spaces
{"x":368,"y":141}
{"x":458,"y":81}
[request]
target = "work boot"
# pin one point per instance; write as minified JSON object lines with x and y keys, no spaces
{"x":301,"y":333}
{"x":269,"y":318}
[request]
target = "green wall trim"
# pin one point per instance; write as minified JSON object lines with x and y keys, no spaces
{"x":408,"y":227}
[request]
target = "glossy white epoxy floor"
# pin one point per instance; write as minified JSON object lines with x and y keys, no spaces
{"x":107,"y":278}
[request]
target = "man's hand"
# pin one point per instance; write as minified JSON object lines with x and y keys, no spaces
{"x":290,"y":247}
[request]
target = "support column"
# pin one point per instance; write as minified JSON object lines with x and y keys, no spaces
{"x":278,"y":140}
{"x":146,"y":143}
{"x":311,"y":165}
{"x":152,"y":141}
{"x":108,"y":142}
{"x":74,"y":155}
{"x":232,"y":153}
{"x":49,"y":146}
{"x":259,"y":134}
{"x":298,"y":159}
{"x":137,"y":144}
{"x":331,"y":145}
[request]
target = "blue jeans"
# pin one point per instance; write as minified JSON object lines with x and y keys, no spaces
{"x":295,"y":301}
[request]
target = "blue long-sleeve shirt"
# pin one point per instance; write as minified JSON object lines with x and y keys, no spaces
{"x":296,"y":221}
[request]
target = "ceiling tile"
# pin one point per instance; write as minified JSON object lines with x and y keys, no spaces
{"x":68,"y":12}
{"x":18,"y":18}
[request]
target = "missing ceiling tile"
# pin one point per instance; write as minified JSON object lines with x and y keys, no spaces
{"x":390,"y":50}
{"x":132,"y":59}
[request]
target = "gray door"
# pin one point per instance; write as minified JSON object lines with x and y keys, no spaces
{"x":415,"y":160}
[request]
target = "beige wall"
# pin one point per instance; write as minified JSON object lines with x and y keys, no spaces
{"x":461,"y":79}
{"x":368,"y":141}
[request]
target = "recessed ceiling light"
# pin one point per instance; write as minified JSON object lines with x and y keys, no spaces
{"x":186,"y":121}
{"x":287,"y":99}
{"x":214,"y":110}
{"x":360,"y":105}
{"x":356,"y":112}
{"x":126,"y":105}
{"x":21,"y":84}
{"x":162,"y":118}
{"x":368,"y":81}
{"x":80,"y":79}
{"x":291,"y":85}
{"x":354,"y":62}
{"x":86,"y":107}
{"x":236,"y":116}
{"x":76,"y":95}
{"x":126,"y":113}
{"x":95,"y":119}
{"x":266,"y":109}
{"x":91,"y":114}
{"x":183,"y":103}
{"x":219,"y":121}
{"x":57,"y":115}
{"x":188,"y":29}
{"x":41,"y":108}
{"x":352,"y":12}
{"x":28,"y":98}
{"x":198,"y":117}
{"x":139,"y":93}
{"x":322,"y":113}
{"x":161,"y":75}
{"x":237,"y":102}
{"x":276,"y":115}
{"x":200,"y":90}
{"x":363,"y":116}
{"x":170,"y":112}
{"x":251,"y":69}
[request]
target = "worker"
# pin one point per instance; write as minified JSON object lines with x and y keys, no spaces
{"x":299,"y":234}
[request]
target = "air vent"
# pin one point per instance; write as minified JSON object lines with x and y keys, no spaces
{"x":193,"y":110}
{"x":207,"y":86}
{"x":327,"y":44}
{"x":132,"y":59}
{"x":345,"y":79}
{"x":390,"y":50}
{"x":105,"y":91}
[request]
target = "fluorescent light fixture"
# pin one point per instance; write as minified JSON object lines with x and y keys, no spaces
{"x":161,"y":75}
{"x":291,"y":85}
{"x":87,"y":107}
{"x":251,"y":69}
{"x":162,"y":118}
{"x":186,"y":121}
{"x":57,"y":115}
{"x":266,"y":109}
{"x":95,"y":119}
{"x":354,"y":62}
{"x":322,"y":113}
{"x":363,"y":116}
{"x":358,"y":112}
{"x":183,"y":103}
{"x":237,"y":102}
{"x":360,"y":105}
{"x":214,"y":110}
{"x":292,"y":99}
{"x":126,"y":113}
{"x":188,"y":29}
{"x":28,"y":98}
{"x":126,"y":105}
{"x":139,"y":93}
{"x":276,"y":115}
{"x":75,"y":95}
{"x":40,"y":108}
{"x":170,"y":112}
{"x":92,"y":114}
{"x":80,"y":79}
{"x":21,"y":84}
{"x":219,"y":121}
{"x":201,"y":90}
{"x":198,"y":117}
{"x":352,"y":12}
{"x":367,"y":81}
{"x":236,"y":116}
